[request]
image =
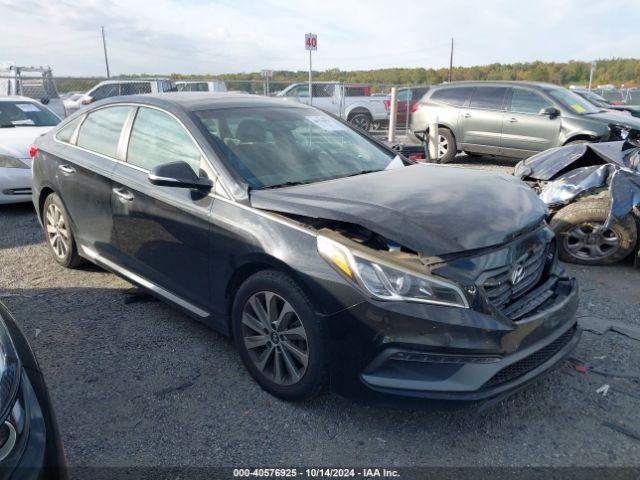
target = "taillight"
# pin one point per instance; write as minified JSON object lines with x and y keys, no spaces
{"x":415,"y":108}
{"x":32,"y":151}
{"x":387,"y":104}
{"x":416,"y":156}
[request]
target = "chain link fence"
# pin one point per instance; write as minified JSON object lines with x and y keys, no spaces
{"x":630,"y":96}
{"x":365,"y":105}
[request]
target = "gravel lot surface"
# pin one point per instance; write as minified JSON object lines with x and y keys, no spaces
{"x":142,"y":384}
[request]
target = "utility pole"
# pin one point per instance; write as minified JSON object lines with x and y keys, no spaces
{"x":451,"y":60}
{"x":104,"y":46}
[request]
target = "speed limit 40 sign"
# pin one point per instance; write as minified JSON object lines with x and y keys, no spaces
{"x":311,"y":41}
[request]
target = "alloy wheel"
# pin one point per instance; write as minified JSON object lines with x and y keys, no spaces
{"x":361,"y":121}
{"x":57,"y":231}
{"x":443,"y":146}
{"x":591,"y":241}
{"x":275,"y":338}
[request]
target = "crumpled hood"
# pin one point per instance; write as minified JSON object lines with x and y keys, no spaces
{"x":15,"y":142}
{"x":430,"y":209}
{"x":546,"y":165}
{"x":575,"y":169}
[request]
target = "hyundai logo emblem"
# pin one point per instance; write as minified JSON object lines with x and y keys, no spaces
{"x":517,"y":273}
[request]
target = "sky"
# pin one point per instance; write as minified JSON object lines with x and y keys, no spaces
{"x":227,"y":36}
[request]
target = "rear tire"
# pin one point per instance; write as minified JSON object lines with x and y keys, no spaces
{"x":284,"y":352}
{"x":582,"y":238}
{"x":361,"y":120}
{"x":57,"y":229}
{"x":447,"y":148}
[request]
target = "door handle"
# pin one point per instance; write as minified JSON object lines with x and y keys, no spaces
{"x":512,"y":120}
{"x":66,"y":169}
{"x":123,"y":194}
{"x":466,"y":115}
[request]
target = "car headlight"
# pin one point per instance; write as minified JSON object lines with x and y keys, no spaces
{"x":9,"y":367}
{"x":11,"y":162}
{"x":384,"y":281}
{"x":619,"y":131}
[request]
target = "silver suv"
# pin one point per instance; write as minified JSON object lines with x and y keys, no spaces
{"x":512,"y":119}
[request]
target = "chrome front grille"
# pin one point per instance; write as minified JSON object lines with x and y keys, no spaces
{"x":503,"y":287}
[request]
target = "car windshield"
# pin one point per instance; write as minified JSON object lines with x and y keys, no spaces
{"x":596,"y":97}
{"x":25,"y":114}
{"x":279,"y":146}
{"x":573,"y":101}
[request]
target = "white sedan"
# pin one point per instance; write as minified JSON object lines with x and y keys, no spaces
{"x":22,"y":120}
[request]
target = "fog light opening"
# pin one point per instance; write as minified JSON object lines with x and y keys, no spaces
{"x":8,"y":438}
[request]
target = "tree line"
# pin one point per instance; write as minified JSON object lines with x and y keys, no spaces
{"x":622,"y":71}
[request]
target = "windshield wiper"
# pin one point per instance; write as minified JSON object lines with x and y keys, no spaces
{"x":361,"y":172}
{"x":8,"y":125}
{"x":285,"y":184}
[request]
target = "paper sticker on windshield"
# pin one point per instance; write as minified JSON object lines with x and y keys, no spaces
{"x":578,"y":108}
{"x":27,"y":107}
{"x":326,"y":123}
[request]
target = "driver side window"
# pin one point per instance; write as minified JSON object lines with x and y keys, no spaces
{"x":527,"y":101}
{"x":157,"y":138}
{"x":299,"y":91}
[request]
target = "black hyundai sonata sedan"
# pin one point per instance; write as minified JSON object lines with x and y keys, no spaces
{"x":30,"y":446}
{"x":330,"y":259}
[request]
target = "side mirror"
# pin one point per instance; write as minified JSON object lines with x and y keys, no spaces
{"x":44,"y":101}
{"x":178,"y":174}
{"x":551,"y":112}
{"x":86,"y":100}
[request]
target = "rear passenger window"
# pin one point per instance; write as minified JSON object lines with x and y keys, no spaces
{"x":488,"y":97}
{"x":100,"y":131}
{"x":526,"y":101}
{"x":105,"y":91}
{"x":452,"y":96}
{"x":157,"y":138}
{"x":66,"y":132}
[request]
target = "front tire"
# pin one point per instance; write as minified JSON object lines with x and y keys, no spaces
{"x":583,"y":239}
{"x":57,"y":229}
{"x":279,"y":336}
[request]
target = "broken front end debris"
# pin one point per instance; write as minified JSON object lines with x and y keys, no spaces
{"x":593,"y":193}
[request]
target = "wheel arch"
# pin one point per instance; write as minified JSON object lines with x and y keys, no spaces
{"x":355,"y":109}
{"x":42,"y":197}
{"x":253,"y":265}
{"x":581,"y":136}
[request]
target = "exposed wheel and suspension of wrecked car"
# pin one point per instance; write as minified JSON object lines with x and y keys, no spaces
{"x":330,"y":259}
{"x":593,"y":192}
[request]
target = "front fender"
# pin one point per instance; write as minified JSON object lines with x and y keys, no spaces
{"x":573,"y":129}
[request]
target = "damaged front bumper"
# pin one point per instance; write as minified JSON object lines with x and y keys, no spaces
{"x":445,"y":353}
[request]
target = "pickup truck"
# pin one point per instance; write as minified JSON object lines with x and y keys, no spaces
{"x":36,"y":83}
{"x":359,"y":109}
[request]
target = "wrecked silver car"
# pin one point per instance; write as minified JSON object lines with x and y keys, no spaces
{"x":593,"y":193}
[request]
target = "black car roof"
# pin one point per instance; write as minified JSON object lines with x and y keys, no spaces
{"x":194,"y":101}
